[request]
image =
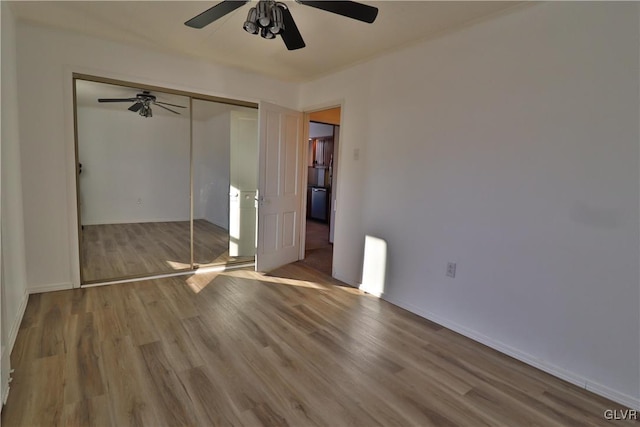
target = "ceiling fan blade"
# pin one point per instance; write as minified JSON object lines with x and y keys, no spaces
{"x":135,"y":107}
{"x":166,"y":103}
{"x":168,"y":109}
{"x":350,"y":9}
{"x":216,"y":12}
{"x":291,"y":35}
{"x":117,"y":99}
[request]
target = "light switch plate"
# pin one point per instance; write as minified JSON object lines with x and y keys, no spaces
{"x":451,"y":269}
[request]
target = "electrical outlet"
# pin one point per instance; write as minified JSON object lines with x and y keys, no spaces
{"x":451,"y":269}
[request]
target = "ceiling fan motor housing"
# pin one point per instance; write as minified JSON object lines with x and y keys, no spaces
{"x":146,"y":96}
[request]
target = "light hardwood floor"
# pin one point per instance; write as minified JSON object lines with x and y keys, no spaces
{"x":318,"y":251}
{"x":292,"y":348}
{"x":111,"y":251}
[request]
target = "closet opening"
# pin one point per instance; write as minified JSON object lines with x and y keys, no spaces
{"x":166,"y":180}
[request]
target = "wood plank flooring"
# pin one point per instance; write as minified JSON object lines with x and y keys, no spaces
{"x":318,"y":252}
{"x":112,"y":251}
{"x":293,"y":348}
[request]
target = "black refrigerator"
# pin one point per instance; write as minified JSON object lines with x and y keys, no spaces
{"x":319,"y":203}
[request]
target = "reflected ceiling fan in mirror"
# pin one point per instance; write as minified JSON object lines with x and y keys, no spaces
{"x":271,"y":18}
{"x":142,"y":103}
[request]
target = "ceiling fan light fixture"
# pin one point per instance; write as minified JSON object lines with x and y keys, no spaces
{"x":145,"y":111}
{"x":277,"y":24}
{"x":251,"y":24}
{"x":264,"y":13}
{"x":266,"y":34}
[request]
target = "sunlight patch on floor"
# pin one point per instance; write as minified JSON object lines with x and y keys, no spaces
{"x":177,"y":265}
{"x":200,"y":281}
{"x":280,"y":280}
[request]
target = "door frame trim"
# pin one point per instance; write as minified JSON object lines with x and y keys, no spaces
{"x":153,"y":88}
{"x":185,"y":272}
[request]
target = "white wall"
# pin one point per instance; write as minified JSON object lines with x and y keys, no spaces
{"x":13,"y":267}
{"x":211,"y":154}
{"x":46,"y":59}
{"x":134,"y":169}
{"x":511,"y":148}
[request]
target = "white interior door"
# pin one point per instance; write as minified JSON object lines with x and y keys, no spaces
{"x":279,"y":186}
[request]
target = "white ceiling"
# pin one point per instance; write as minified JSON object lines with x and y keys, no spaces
{"x":333,"y":42}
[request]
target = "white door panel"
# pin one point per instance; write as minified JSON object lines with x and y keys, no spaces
{"x":279,"y":186}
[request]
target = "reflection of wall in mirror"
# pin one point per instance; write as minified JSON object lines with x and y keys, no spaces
{"x":211,"y":151}
{"x":134,"y":169}
{"x":243,"y":183}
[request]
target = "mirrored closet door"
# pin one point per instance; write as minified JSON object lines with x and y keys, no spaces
{"x":224,"y":152}
{"x":156,"y":186}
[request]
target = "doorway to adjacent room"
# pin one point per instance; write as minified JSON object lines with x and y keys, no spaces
{"x":322,"y":161}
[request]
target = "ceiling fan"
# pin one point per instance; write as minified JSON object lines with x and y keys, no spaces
{"x":270,"y":18}
{"x":142,"y":103}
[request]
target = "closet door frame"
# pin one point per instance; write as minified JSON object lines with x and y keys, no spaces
{"x":142,"y":86}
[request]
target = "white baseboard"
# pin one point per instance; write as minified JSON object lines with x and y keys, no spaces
{"x":8,"y":348}
{"x":49,"y":288}
{"x":6,"y":366}
{"x":371,"y":291}
{"x":345,"y":280}
{"x":134,"y":221}
{"x":616,"y":396}
{"x":15,"y":326}
{"x":556,"y":371}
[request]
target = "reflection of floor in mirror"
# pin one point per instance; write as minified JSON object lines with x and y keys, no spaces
{"x":318,"y":251}
{"x":120,"y":250}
